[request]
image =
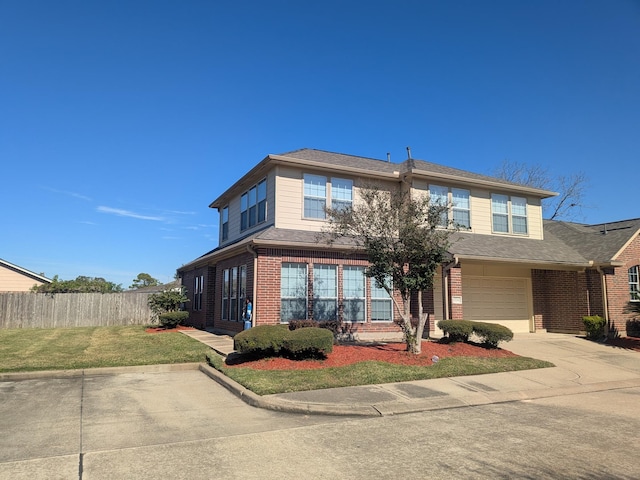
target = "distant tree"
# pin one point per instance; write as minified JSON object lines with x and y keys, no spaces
{"x":143,"y":280}
{"x":404,"y":242}
{"x":170,"y":300}
{"x":81,"y":284}
{"x":571,"y":189}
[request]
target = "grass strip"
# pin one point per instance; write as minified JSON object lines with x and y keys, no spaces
{"x":265,"y":382}
{"x":23,"y":350}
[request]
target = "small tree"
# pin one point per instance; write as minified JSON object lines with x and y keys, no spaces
{"x":144,"y":280}
{"x":404,"y":240}
{"x":168,"y":300}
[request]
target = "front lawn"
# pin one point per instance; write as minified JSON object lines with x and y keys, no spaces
{"x":264,"y":382}
{"x":29,"y":349}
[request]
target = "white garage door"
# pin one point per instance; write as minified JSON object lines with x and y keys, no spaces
{"x":497,"y":300}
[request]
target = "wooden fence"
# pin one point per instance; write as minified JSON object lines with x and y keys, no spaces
{"x":39,"y":310}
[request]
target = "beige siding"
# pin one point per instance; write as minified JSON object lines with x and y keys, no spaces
{"x":12,"y":281}
{"x":480,"y":203}
{"x":234,"y":211}
{"x":290,"y":197}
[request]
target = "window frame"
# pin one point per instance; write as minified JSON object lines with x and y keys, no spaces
{"x":380,"y":295}
{"x":314,"y":193}
{"x":226,"y":273}
{"x":198,"y":281}
{"x":511,"y":213}
{"x":325,"y":294}
{"x":224,"y":218}
{"x":634,"y":283}
{"x":350,"y":295}
{"x":253,"y":206}
{"x":440,"y":193}
{"x":301,"y":288}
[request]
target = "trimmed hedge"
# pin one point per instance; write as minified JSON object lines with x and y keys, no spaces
{"x":456,"y":330}
{"x":335,"y":326}
{"x":308,"y":343}
{"x":278,"y":340}
{"x":594,"y":326}
{"x":262,"y":340}
{"x":172,"y":319}
{"x":490,"y":333}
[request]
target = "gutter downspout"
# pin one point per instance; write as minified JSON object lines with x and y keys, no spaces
{"x":445,"y":287}
{"x":605,"y":302}
{"x":251,"y":250}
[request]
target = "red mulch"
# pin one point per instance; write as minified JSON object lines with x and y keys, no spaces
{"x":389,"y":352}
{"x":628,"y":343}
{"x":162,"y":329}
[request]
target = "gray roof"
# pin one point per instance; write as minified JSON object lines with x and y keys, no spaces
{"x":413,"y":166}
{"x":343,"y":160}
{"x":600,"y":242}
{"x":550,"y":251}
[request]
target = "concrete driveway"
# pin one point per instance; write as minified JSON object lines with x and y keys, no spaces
{"x":49,"y":425}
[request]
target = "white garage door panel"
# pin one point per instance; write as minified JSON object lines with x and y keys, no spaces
{"x":499,"y":300}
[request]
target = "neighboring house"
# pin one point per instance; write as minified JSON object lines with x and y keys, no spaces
{"x":507,"y":265}
{"x":17,"y":279}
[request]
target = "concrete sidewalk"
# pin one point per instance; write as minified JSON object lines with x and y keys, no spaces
{"x":581,"y":366}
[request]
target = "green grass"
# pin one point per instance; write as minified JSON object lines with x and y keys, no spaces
{"x":24,"y":350}
{"x":265,"y":382}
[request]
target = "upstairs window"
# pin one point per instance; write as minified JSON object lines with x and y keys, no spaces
{"x":500,"y":212}
{"x":315,"y":196}
{"x":460,"y":211}
{"x":440,"y":196}
{"x":509,"y":214}
{"x":341,"y":193}
{"x":634,"y":285}
{"x":461,"y":207}
{"x":253,"y":206}
{"x":317,"y":190}
{"x":519,"y":215}
{"x":225,"y":223}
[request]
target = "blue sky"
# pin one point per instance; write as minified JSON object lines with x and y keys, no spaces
{"x":120,"y":121}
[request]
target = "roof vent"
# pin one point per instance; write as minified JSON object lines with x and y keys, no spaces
{"x":389,"y":157}
{"x":409,"y":153}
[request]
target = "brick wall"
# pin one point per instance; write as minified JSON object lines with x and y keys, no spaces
{"x":267,"y":305}
{"x":561,"y":298}
{"x":618,"y":287}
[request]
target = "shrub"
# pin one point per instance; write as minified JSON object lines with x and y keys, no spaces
{"x":492,"y":333}
{"x":172,"y":319}
{"x":167,"y":301}
{"x":456,"y":330}
{"x":309,"y":342}
{"x":594,"y":326}
{"x":261,"y":340}
{"x":296,"y":324}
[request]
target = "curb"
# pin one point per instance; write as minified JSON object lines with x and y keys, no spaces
{"x":277,"y":404}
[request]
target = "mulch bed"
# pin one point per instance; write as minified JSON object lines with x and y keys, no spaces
{"x":163,"y":330}
{"x":387,"y":352}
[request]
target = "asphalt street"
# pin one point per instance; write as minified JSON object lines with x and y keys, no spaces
{"x":183,"y":425}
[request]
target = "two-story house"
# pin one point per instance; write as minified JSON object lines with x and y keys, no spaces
{"x":507,"y":265}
